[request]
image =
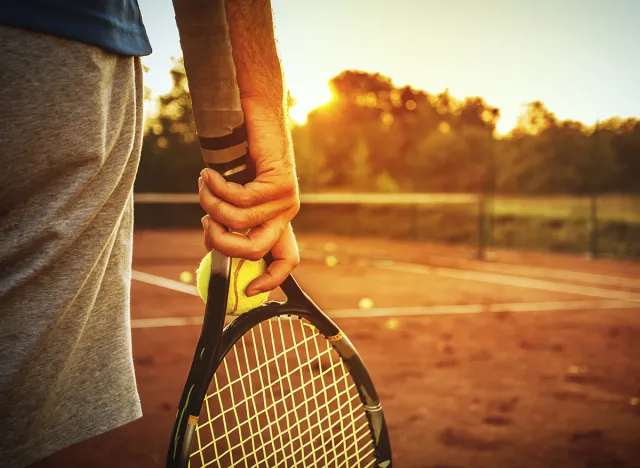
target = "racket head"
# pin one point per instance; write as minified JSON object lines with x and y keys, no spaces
{"x":213,"y":86}
{"x":286,"y":388}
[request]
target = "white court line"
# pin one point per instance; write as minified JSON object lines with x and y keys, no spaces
{"x":417,"y":311}
{"x":492,"y":277}
{"x":566,"y":275}
{"x":504,"y":268}
{"x":164,"y":283}
{"x":620,"y":296}
{"x":480,"y":308}
{"x":166,"y":322}
{"x":503,"y":279}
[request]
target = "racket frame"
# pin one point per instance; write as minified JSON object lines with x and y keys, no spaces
{"x":208,"y":357}
{"x":210,"y":69}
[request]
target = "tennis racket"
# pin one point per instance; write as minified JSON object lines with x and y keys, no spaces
{"x":281,"y":385}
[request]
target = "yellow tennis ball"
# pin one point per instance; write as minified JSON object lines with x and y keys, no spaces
{"x":242,"y":273}
{"x":186,"y":277}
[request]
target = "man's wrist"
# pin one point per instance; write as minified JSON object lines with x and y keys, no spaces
{"x":265,"y":114}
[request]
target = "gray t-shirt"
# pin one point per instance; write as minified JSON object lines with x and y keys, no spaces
{"x":70,"y":138}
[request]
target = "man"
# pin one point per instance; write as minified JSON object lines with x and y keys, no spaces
{"x":70,"y":138}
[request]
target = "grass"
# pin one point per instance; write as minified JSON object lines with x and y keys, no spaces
{"x":559,"y":224}
{"x":613,"y":208}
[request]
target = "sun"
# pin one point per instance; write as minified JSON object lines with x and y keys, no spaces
{"x":307,"y":99}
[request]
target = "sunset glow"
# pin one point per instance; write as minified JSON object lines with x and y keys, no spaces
{"x":307,"y":100}
{"x":577,"y":57}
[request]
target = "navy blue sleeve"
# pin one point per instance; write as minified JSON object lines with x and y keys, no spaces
{"x":114,"y":25}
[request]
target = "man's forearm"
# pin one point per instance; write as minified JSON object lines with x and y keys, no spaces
{"x":258,"y":67}
{"x":266,"y":205}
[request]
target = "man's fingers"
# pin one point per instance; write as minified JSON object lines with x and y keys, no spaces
{"x":252,"y":246}
{"x":265,"y":188}
{"x":205,"y":222}
{"x":285,"y":258}
{"x":240,"y":219}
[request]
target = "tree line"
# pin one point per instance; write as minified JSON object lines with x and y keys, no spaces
{"x":376,"y":137}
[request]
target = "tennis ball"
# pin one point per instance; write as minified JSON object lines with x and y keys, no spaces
{"x":242,"y":273}
{"x":331,"y":261}
{"x":186,"y":277}
{"x":366,"y":303}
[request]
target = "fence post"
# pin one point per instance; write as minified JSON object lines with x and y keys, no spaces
{"x":593,"y":226}
{"x":486,"y":196}
{"x":594,"y":148}
{"x":482,"y":224}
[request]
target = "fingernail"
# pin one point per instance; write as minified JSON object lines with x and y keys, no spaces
{"x":205,"y":222}
{"x":200,"y":183}
{"x":205,"y":174}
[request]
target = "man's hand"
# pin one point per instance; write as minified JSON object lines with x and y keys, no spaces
{"x":266,"y":205}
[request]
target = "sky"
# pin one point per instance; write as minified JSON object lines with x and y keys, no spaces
{"x":580,"y":57}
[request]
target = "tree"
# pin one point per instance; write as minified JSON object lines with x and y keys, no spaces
{"x":455,"y":160}
{"x":171,"y":157}
{"x":370,"y":115}
{"x":376,"y":136}
{"x":624,"y":139}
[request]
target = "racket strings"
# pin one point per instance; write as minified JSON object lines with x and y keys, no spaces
{"x":283,"y":397}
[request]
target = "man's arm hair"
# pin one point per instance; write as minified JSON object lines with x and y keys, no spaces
{"x":258,"y":67}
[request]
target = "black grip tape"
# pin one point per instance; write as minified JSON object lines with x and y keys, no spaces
{"x":238,"y":136}
{"x":243,"y":177}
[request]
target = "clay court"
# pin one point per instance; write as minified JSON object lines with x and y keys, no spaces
{"x":529,"y":360}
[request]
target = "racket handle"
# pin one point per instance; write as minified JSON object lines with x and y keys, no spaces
{"x":240,"y":169}
{"x":215,"y":96}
